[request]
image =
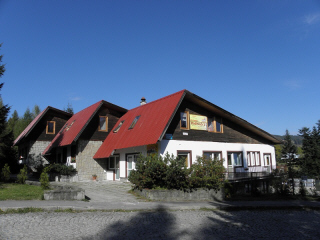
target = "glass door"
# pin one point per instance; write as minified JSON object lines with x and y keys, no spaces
{"x":131,"y":163}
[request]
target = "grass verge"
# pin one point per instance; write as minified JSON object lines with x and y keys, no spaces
{"x":14,"y":191}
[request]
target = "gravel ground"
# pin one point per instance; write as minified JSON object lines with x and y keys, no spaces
{"x":258,"y":224}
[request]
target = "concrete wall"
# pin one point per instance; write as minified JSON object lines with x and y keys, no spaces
{"x":86,"y":165}
{"x":180,"y":195}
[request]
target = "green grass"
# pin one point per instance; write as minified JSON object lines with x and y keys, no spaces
{"x":14,"y":191}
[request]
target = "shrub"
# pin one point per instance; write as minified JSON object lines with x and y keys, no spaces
{"x":23,"y":175}
{"x":176,"y":175}
{"x":62,"y":169}
{"x":5,"y":173}
{"x":44,"y":178}
{"x":207,"y":173}
{"x":171,"y":173}
{"x":149,"y":173}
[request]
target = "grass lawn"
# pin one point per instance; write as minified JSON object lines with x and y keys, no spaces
{"x":14,"y":191}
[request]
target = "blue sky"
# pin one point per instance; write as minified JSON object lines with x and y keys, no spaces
{"x":259,"y":60}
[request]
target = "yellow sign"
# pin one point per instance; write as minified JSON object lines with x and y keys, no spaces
{"x":198,"y":122}
{"x":152,"y":149}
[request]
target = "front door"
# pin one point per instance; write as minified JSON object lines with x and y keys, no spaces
{"x":131,"y":163}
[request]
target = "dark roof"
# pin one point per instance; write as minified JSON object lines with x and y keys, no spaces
{"x":35,"y":121}
{"x":154,"y":120}
{"x":73,"y":128}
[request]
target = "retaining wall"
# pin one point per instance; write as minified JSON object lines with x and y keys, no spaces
{"x":180,"y":195}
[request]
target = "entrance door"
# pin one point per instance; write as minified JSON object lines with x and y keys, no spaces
{"x":114,"y":165}
{"x":131,"y":163}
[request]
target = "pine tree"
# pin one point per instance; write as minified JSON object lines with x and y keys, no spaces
{"x":35,"y":111}
{"x":69,"y":109}
{"x":7,"y":153}
{"x":289,"y":151}
{"x":310,"y":162}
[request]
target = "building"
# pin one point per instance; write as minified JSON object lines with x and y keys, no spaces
{"x":186,"y":125}
{"x":80,"y":138}
{"x":105,"y":139}
{"x":39,"y":134}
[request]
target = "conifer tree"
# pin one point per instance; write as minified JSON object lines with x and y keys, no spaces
{"x":7,"y":153}
{"x":310,"y":162}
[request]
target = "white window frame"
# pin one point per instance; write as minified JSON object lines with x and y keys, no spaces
{"x":232,"y":153}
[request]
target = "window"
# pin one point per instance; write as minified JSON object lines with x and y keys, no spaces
{"x":51,"y":127}
{"x":267,"y":159}
{"x":253,"y":159}
{"x":131,"y":163}
{"x":118,"y":127}
{"x":215,"y":124}
{"x":114,"y":162}
{"x":135,"y":120}
{"x":184,"y":120}
{"x":186,"y":155}
{"x":235,"y":159}
{"x":212,"y":155}
{"x":103,"y":123}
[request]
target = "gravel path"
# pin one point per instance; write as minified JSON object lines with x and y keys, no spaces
{"x":263,"y":224}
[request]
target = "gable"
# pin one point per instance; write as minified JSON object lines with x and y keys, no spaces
{"x":36,"y":130}
{"x":226,"y":130}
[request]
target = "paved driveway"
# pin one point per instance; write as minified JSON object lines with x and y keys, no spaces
{"x":106,"y":191}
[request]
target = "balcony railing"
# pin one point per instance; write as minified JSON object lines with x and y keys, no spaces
{"x":238,"y":176}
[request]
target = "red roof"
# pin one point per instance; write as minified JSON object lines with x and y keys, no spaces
{"x":153,"y":121}
{"x":75,"y":126}
{"x":34,"y":122}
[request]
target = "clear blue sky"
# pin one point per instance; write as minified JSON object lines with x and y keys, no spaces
{"x":259,"y":60}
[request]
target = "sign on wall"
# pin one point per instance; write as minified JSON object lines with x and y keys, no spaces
{"x":198,"y":122}
{"x":152,"y":149}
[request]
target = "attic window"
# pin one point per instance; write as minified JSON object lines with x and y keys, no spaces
{"x":215,"y":125}
{"x":184,"y":120}
{"x":51,"y":127}
{"x":103,"y":124}
{"x":118,"y":127}
{"x":134,"y":122}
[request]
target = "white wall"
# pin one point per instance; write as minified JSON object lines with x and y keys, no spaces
{"x":123,"y":152}
{"x":197,"y":148}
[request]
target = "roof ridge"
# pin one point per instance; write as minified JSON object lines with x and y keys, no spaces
{"x":160,"y":99}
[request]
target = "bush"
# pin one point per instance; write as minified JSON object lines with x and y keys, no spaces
{"x":149,"y":173}
{"x":171,"y":173}
{"x":207,"y":173}
{"x":62,"y":169}
{"x":5,"y":173}
{"x":44,"y":178}
{"x":23,"y":175}
{"x":176,"y":176}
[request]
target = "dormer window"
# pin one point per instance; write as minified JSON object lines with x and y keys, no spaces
{"x":118,"y":127}
{"x":51,"y":127}
{"x":134,"y":122}
{"x":103,"y":124}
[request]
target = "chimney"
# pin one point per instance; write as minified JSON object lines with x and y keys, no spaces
{"x":143,"y":101}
